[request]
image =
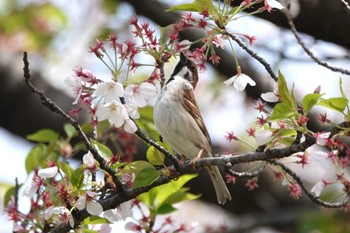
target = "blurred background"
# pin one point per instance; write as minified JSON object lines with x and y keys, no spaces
{"x":57,"y":33}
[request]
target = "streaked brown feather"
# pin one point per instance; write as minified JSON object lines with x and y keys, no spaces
{"x":191,"y":106}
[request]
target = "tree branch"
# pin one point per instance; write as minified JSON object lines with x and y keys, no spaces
{"x":307,"y":50}
{"x":56,"y":109}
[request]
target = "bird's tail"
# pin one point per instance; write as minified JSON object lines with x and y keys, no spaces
{"x":222,"y":193}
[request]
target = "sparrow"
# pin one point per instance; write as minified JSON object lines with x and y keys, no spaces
{"x":179,"y":121}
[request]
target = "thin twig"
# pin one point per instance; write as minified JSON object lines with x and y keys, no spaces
{"x":306,"y":191}
{"x":346,"y":5}
{"x":255,"y":173}
{"x":253,"y":54}
{"x":54,"y":108}
{"x":149,"y":141}
{"x":307,"y":50}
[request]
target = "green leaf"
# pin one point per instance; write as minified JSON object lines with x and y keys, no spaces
{"x":166,"y":209}
{"x":196,"y":6}
{"x":280,"y":112}
{"x":35,"y":157}
{"x":70,"y":130}
{"x":136,"y":167}
{"x":68,"y":170}
{"x":77,"y":177}
{"x":337,"y":104}
{"x":154,"y":156}
{"x":186,"y":7}
{"x":158,"y":195}
{"x":9,"y":193}
{"x":287,"y":132}
{"x":146,"y":177}
{"x":44,"y":135}
{"x":285,"y":95}
{"x":95,"y":220}
{"x":309,"y":101}
{"x":104,"y":151}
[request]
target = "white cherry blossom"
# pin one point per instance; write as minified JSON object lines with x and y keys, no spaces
{"x":240,"y":81}
{"x":49,"y":172}
{"x":110,"y":90}
{"x":318,"y":188}
{"x":122,"y":212}
{"x":114,"y":112}
{"x":86,"y":201}
{"x":273,"y":4}
{"x":139,"y":94}
{"x":62,"y":212}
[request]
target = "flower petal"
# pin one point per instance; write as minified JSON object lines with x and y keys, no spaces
{"x":270,"y":97}
{"x":94,"y":208}
{"x":81,"y":203}
{"x":112,"y":215}
{"x":49,"y":172}
{"x":130,"y":126}
{"x":318,"y":188}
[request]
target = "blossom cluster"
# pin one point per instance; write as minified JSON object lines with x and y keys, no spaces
{"x":112,"y":100}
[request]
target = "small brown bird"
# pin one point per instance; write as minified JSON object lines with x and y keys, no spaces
{"x":179,"y":121}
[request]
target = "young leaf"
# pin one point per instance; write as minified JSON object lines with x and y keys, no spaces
{"x":35,"y":157}
{"x":280,"y":112}
{"x":286,"y":96}
{"x":9,"y":193}
{"x":186,"y":7}
{"x":43,"y":135}
{"x":337,"y":104}
{"x":154,"y":156}
{"x":309,"y":101}
{"x":146,"y":177}
{"x":104,"y":151}
{"x":95,"y":220}
{"x":77,"y":177}
{"x":166,"y":209}
{"x":70,"y":130}
{"x":68,"y":170}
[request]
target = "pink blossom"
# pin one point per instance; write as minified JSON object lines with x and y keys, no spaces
{"x":295,"y":191}
{"x":251,"y":184}
{"x":230,"y":179}
{"x":322,"y":138}
{"x":219,"y":42}
{"x":230,"y":136}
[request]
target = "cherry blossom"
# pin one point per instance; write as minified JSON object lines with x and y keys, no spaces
{"x":240,"y":81}
{"x":122,"y":212}
{"x":263,"y":136}
{"x":318,"y":188}
{"x":272,"y":4}
{"x":31,"y":189}
{"x":76,"y":87}
{"x":110,"y":90}
{"x":62,"y":212}
{"x":114,"y":112}
{"x":86,"y":201}
{"x":49,"y":172}
{"x":295,"y":191}
{"x":270,"y":97}
{"x":89,"y":161}
{"x":322,"y":138}
{"x":139,"y":94}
